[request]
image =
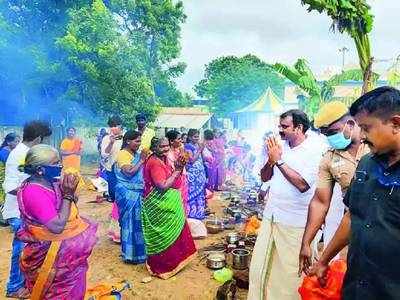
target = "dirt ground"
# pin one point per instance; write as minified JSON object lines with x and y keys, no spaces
{"x":194,"y":282}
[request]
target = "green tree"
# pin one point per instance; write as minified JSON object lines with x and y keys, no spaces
{"x":354,"y":18}
{"x":33,"y":71}
{"x":108,"y":63}
{"x":301,"y":75}
{"x":55,"y":52}
{"x":317,"y":92}
{"x":231,"y":82}
{"x":157,"y":25}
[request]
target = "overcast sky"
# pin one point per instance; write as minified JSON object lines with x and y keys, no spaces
{"x":276,"y":31}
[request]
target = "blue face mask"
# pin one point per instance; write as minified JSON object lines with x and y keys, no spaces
{"x":52,"y":173}
{"x":338,"y":141}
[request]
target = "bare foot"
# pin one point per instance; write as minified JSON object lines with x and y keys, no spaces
{"x":22,"y":293}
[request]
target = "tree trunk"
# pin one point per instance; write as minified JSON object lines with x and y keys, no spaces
{"x":152,"y":46}
{"x":368,"y":84}
{"x":364,"y":55}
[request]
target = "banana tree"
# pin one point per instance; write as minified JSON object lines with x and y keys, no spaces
{"x":301,"y":75}
{"x":354,"y":18}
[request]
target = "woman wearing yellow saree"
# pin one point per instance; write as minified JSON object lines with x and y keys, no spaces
{"x":71,"y":151}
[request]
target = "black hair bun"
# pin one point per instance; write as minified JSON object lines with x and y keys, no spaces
{"x":27,"y":169}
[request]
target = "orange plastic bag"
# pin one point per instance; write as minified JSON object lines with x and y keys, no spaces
{"x":312,"y":290}
{"x":251,"y":226}
{"x":106,"y":291}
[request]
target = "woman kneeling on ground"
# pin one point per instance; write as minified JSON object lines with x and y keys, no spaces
{"x":58,"y":242}
{"x":169,"y":243}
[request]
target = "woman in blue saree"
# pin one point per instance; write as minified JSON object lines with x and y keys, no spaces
{"x":196,"y":176}
{"x":128,"y":170}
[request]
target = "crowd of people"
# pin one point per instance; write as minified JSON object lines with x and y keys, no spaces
{"x":156,"y":184}
{"x":159,"y":184}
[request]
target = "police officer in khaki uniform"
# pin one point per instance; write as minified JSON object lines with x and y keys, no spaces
{"x":337,"y":166}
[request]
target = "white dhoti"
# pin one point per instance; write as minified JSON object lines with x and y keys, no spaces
{"x":275,"y":262}
{"x":332,"y":221}
{"x":334,"y":216}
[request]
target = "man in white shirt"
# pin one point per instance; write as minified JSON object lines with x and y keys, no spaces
{"x":291,"y":170}
{"x":34,"y":133}
{"x":110,"y":146}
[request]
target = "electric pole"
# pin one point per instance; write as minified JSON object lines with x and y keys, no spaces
{"x":343,"y":50}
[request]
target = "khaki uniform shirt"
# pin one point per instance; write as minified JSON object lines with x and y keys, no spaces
{"x":339,"y":166}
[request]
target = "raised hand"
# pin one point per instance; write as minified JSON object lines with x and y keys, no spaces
{"x":144,"y":155}
{"x":274,"y":150}
{"x":69,"y":184}
{"x":180,"y":163}
{"x":202,"y":145}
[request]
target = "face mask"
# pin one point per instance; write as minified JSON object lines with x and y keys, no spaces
{"x":52,"y":173}
{"x":338,"y":141}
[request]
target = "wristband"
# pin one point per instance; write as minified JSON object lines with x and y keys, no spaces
{"x":280,"y":163}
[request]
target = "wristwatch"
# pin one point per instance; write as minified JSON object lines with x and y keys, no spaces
{"x":279,"y":163}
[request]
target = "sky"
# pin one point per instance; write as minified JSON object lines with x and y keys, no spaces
{"x":277,"y":31}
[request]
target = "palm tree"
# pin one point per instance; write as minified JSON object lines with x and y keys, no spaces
{"x":354,"y":18}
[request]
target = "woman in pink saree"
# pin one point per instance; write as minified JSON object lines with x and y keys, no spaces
{"x":219,"y":142}
{"x":58,"y":242}
{"x":176,"y":150}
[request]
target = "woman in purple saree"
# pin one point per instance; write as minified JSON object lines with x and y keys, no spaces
{"x":209,"y":160}
{"x":219,"y":143}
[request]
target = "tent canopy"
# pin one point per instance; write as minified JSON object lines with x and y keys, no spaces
{"x":268,"y":102}
{"x":177,"y":117}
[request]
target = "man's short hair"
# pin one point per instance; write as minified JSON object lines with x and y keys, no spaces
{"x":299,"y":117}
{"x":35,"y":129}
{"x":208,"y":135}
{"x":141,"y":116}
{"x":382,"y":102}
{"x":114,"y":121}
